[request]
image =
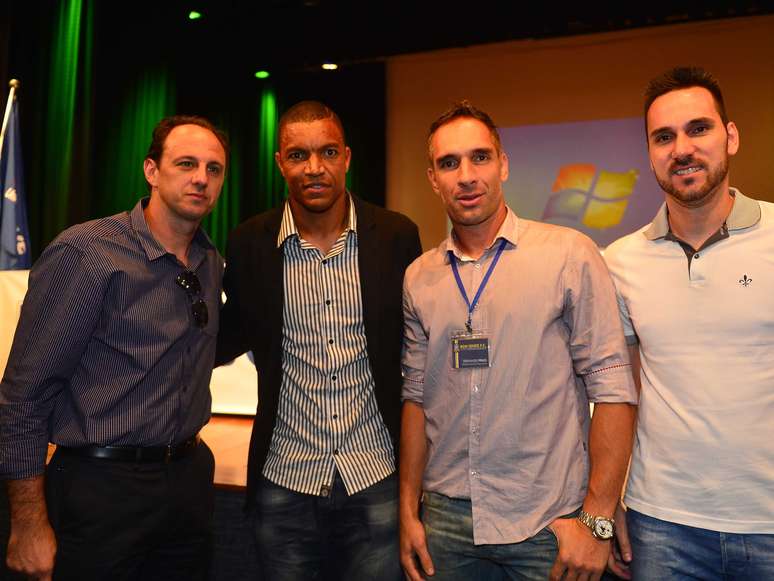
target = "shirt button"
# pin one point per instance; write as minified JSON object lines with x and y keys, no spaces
{"x":330,"y":341}
{"x":325,"y":262}
{"x":696,"y":255}
{"x":475,"y":389}
{"x":336,"y":452}
{"x":328,"y":302}
{"x":335,"y":416}
{"x":325,"y":490}
{"x":333,"y":377}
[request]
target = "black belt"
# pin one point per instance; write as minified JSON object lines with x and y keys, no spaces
{"x":130,"y":454}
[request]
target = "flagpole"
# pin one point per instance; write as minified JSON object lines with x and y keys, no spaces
{"x":14,"y":84}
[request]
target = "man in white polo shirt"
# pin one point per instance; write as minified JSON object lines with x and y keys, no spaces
{"x":697,"y":301}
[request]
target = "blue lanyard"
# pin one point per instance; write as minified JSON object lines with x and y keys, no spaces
{"x":472,"y":305}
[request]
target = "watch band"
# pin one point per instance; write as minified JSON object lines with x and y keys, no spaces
{"x":601,"y":527}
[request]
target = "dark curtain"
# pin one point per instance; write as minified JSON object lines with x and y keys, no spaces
{"x":95,"y":80}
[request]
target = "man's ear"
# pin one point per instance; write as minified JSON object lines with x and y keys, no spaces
{"x":733,"y":138}
{"x":433,"y":180}
{"x":151,"y":171}
{"x":277,"y":160}
{"x":503,"y":167}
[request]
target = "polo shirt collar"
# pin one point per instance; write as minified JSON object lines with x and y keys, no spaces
{"x":288,"y":225}
{"x":509,"y":230}
{"x":745,"y":213}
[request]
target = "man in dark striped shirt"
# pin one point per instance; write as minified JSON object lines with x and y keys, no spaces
{"x":314,"y":290}
{"x":111,"y":361}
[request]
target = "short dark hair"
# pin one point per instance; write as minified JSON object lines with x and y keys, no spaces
{"x":684,"y":78}
{"x":307,"y":112}
{"x":459,"y":110}
{"x":167,"y":124}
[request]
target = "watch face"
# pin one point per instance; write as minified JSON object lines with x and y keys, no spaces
{"x":603,"y":529}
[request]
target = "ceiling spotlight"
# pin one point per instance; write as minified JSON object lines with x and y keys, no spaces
{"x":330,"y":66}
{"x":194,"y":15}
{"x":261,"y":74}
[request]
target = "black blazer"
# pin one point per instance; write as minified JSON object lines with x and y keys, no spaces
{"x":252,"y":316}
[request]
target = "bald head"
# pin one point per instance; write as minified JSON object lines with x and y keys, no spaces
{"x":308,"y":112}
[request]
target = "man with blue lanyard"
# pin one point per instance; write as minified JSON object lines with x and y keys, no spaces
{"x":510,"y":331}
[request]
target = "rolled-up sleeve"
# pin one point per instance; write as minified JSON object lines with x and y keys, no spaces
{"x":597,"y":343}
{"x":414,"y":349}
{"x":58,"y":316}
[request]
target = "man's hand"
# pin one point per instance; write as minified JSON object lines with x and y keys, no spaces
{"x":621,"y":555}
{"x":31,"y":550}
{"x":413,"y":547}
{"x":581,"y":556}
{"x":32,"y":544}
{"x":413,"y":455}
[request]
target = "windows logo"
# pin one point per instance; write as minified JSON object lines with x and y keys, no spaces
{"x":590,"y":197}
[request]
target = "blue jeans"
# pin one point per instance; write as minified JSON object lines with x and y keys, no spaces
{"x":664,"y":550}
{"x":301,"y":536}
{"x":449,"y":529}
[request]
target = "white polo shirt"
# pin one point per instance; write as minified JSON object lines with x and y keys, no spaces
{"x":704,"y":451}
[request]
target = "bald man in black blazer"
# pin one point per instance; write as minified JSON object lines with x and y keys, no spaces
{"x":314,"y":290}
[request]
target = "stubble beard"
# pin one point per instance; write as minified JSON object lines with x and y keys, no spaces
{"x":694,"y":198}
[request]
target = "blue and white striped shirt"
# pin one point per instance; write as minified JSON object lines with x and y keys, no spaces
{"x":327,"y":417}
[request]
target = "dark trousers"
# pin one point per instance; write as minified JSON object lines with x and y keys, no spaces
{"x":121,"y":520}
{"x":303,"y":537}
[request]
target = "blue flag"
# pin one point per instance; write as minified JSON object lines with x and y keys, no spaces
{"x":14,"y":232}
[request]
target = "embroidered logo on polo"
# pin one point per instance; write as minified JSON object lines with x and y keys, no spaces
{"x":744,"y":281}
{"x":593,"y":198}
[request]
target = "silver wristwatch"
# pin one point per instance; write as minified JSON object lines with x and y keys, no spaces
{"x":601,"y":527}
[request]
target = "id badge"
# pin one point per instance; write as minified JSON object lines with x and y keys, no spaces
{"x":469,"y":350}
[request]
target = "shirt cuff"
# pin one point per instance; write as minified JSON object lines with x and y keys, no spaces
{"x":21,"y":459}
{"x":611,"y":384}
{"x":413,"y":390}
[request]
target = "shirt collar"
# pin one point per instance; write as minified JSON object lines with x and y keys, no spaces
{"x":508,"y":230}
{"x":288,"y":225}
{"x":745,"y":213}
{"x":153,"y":249}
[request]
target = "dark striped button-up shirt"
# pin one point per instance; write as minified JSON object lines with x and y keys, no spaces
{"x":327,"y":417}
{"x":107,"y":351}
